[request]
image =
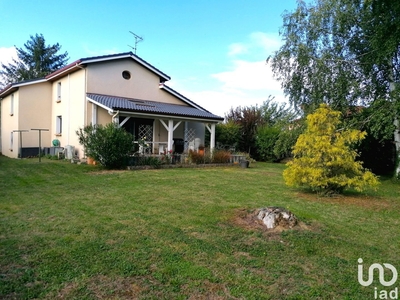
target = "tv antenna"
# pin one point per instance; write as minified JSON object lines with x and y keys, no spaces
{"x":138,"y":39}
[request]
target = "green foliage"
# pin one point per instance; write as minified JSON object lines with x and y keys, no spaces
{"x":267,"y":137}
{"x":151,"y":161}
{"x":250,"y":119}
{"x":109,"y":145}
{"x":228,"y":134}
{"x":323,"y":158}
{"x":49,"y":156}
{"x":36,"y":61}
{"x":342,"y":53}
{"x":287,"y":139}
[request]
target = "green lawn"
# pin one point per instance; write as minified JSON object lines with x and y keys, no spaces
{"x":78,"y":232}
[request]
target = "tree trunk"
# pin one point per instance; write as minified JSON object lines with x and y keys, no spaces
{"x":397,"y":127}
{"x":397,"y":143}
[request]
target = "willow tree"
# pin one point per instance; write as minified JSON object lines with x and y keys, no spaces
{"x":344,"y":53}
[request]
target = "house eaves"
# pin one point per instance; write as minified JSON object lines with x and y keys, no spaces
{"x":72,"y":67}
{"x":81,"y":63}
{"x":151,"y":108}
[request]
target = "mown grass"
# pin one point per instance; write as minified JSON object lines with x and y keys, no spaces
{"x":79,"y":232}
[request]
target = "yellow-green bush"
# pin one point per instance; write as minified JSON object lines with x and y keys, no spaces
{"x":324,"y":159}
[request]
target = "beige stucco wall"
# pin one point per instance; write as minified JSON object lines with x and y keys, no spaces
{"x":106,"y":78}
{"x":9,"y":123}
{"x":32,"y":109}
{"x":72,"y":107}
{"x":34,"y":112}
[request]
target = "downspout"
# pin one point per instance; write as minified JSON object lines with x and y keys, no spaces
{"x":69,"y":108}
{"x":85,"y":118}
{"x":114,"y":117}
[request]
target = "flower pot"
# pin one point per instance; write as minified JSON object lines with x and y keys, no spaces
{"x":244,"y":163}
{"x":91,"y":161}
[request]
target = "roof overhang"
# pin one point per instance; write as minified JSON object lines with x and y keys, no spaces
{"x":81,"y":63}
{"x":72,"y":67}
{"x":126,"y":106}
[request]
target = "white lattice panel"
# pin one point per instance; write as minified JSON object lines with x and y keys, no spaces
{"x":190,"y":134}
{"x":146,"y":132}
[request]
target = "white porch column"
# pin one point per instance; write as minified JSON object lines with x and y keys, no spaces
{"x":211,"y":129}
{"x":170,"y":128}
{"x":170,"y":134}
{"x":212,"y":137}
{"x":94,"y":114}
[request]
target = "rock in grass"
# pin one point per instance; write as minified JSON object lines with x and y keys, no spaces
{"x":276,"y":216}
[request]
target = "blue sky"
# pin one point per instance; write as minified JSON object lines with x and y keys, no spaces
{"x":214,"y":51}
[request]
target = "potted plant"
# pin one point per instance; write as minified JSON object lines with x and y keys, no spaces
{"x":201,"y":150}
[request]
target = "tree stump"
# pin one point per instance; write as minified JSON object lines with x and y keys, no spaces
{"x":276,"y":216}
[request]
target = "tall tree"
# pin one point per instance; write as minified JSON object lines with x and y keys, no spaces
{"x":35,"y":61}
{"x":343,"y":53}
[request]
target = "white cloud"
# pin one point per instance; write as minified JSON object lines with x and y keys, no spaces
{"x":257,"y":43}
{"x":7,"y":54}
{"x":248,"y":81}
{"x":270,"y":42}
{"x":237,"y":48}
{"x":219,"y":101}
{"x":246,"y":75}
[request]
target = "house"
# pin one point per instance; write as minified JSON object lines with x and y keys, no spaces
{"x":120,"y":88}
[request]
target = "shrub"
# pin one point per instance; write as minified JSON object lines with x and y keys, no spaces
{"x":151,"y":161}
{"x":287,"y":139}
{"x":323,"y":158}
{"x":199,"y":158}
{"x":221,"y":157}
{"x":109,"y":145}
{"x":266,"y":139}
{"x":228,"y":134}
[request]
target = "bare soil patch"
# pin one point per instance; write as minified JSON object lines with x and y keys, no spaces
{"x":248,"y":220}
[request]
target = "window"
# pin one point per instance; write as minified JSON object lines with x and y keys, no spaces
{"x":59,"y":92}
{"x":12,"y":105}
{"x":126,"y":75}
{"x":59,"y":125}
{"x":12,"y":141}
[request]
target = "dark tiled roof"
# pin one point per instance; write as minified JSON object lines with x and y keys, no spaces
{"x":151,"y":107}
{"x":88,"y":60}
